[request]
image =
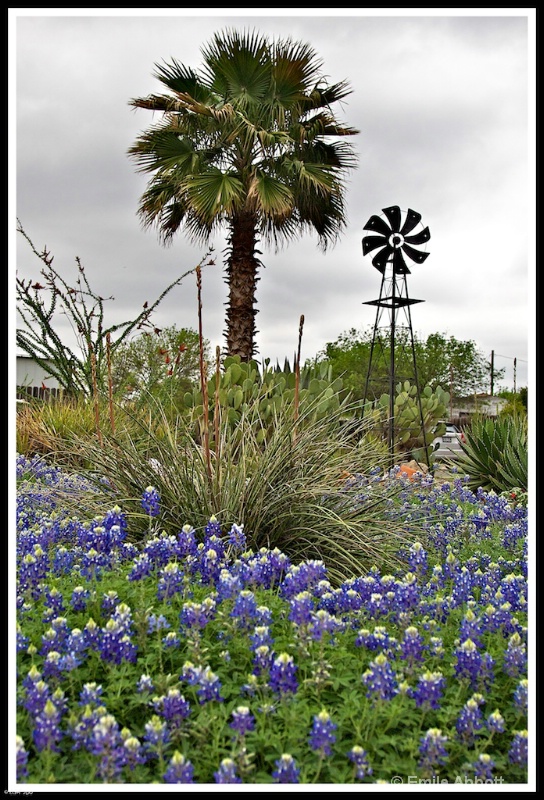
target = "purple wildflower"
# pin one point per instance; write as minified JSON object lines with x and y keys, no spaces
{"x":227,"y":772}
{"x":518,"y":752}
{"x":495,"y":722}
{"x":47,"y":732}
{"x":469,"y":721}
{"x":242,"y":720}
{"x":432,"y":751}
{"x":286,"y":770}
{"x":380,"y":679}
{"x":322,"y":734}
{"x":22,"y":759}
{"x":156,"y":736}
{"x":359,"y":757}
{"x":483,"y":767}
{"x":283,"y":674}
{"x":151,"y":501}
{"x":170,"y":581}
{"x":412,"y":646}
{"x":515,"y":657}
{"x":173,"y":708}
{"x":245,"y":609}
{"x":180,"y":770}
{"x":521,"y":695}
{"x":429,"y":690}
{"x":301,"y":608}
{"x":237,"y":538}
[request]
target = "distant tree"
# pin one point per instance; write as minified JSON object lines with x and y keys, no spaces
{"x":247,"y":143}
{"x":457,"y":366}
{"x":158,"y":359}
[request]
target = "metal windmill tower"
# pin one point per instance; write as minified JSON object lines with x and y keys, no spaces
{"x":393,"y":235}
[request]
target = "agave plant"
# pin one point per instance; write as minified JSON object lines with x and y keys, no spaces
{"x":495,"y":454}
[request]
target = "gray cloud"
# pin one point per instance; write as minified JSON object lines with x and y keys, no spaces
{"x":443,"y":107}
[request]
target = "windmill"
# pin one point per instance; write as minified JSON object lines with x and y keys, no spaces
{"x":395,"y":239}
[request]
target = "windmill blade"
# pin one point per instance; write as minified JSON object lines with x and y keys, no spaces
{"x":399,"y":264}
{"x":381,"y":258}
{"x":419,"y":238}
{"x":372,"y":242}
{"x":378,"y":225}
{"x":393,"y":215}
{"x":418,"y":256}
{"x":412,"y":219}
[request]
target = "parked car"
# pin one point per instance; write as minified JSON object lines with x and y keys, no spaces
{"x":449,"y":444}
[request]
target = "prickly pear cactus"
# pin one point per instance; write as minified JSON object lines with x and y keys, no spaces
{"x":242,"y":389}
{"x":410,"y":435}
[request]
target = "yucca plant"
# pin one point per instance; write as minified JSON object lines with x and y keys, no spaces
{"x":495,"y":454}
{"x":289,"y":491}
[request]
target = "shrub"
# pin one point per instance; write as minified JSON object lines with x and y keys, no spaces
{"x":495,"y":454}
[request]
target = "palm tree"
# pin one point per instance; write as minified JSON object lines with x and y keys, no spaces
{"x":245,"y":143}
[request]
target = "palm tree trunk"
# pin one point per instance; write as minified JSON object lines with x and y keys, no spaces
{"x":241,"y":271}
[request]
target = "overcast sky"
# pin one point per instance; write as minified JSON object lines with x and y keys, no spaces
{"x":445,"y":109}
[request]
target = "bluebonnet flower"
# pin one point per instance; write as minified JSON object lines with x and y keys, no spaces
{"x":142,"y":568}
{"x":521,"y":695}
{"x":469,"y":661}
{"x":261,"y":636}
{"x":22,"y":759}
{"x":322,"y":623}
{"x":515,"y":657}
{"x":197,"y":615}
{"x":151,"y":501}
{"x":170,"y":581}
{"x":207,"y":682}
{"x":301,"y":607}
{"x":245,"y":609}
{"x":227,"y":772}
{"x":471,"y":628}
{"x":172,"y":707}
{"x":180,"y":770}
{"x":380,"y":679}
{"x":495,"y":722}
{"x":379,"y":639}
{"x":210,"y":564}
{"x":37,"y":693}
{"x":53,"y":601}
{"x":432,"y":751}
{"x":105,"y":741}
{"x":145,"y":684}
{"x":262,"y":659}
{"x":187,"y":543}
{"x":359,"y":757}
{"x":90,"y":694}
{"x":302,"y":577}
{"x":47,"y":732}
{"x":283,"y":674}
{"x":518,"y":752}
{"x":132,"y":753}
{"x":322,"y":735}
{"x":171,"y":640}
{"x":93,"y":564}
{"x":469,"y":722}
{"x":412,"y":646}
{"x":483,"y":767}
{"x":286,"y":770}
{"x":242,"y":720}
{"x":80,"y":598}
{"x":429,"y":690}
{"x":157,"y":623}
{"x":237,"y":538}
{"x":156,"y":736}
{"x":418,"y":560}
{"x":115,"y":644}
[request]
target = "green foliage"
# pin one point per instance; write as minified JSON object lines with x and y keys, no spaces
{"x":441,"y":361}
{"x":163,"y":362}
{"x":495,"y":453}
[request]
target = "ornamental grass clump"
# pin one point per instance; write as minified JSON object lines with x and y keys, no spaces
{"x":192,"y":658}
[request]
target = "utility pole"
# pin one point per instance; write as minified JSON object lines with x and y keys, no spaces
{"x":492,"y":369}
{"x":451,"y":391}
{"x":515,"y":363}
